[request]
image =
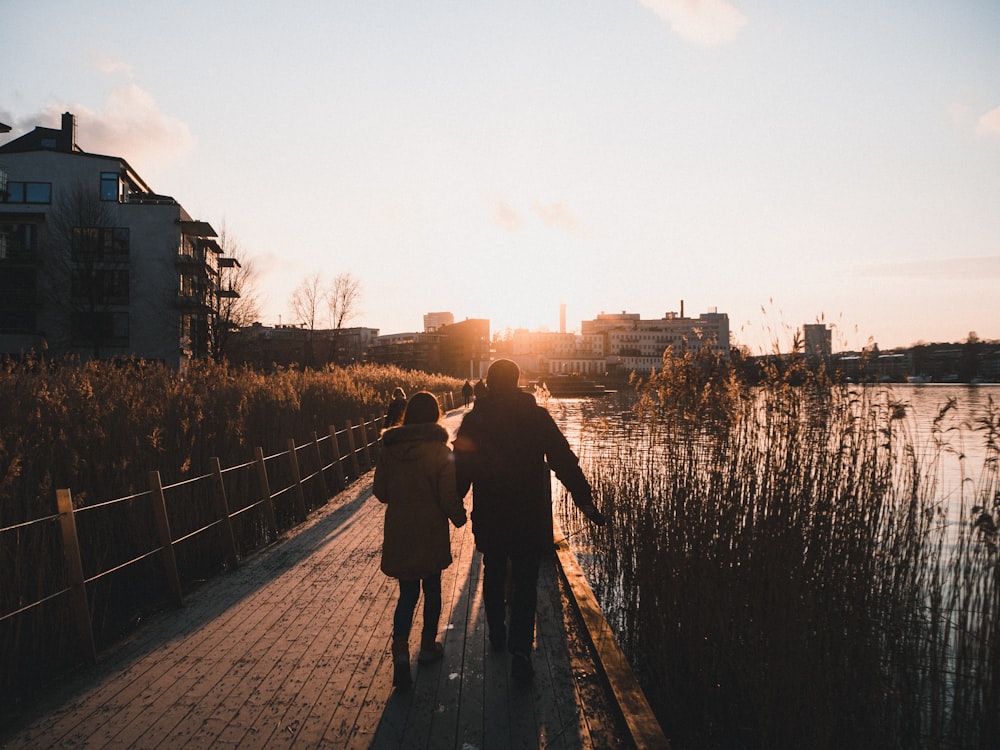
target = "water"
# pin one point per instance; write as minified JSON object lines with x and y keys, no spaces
{"x":949,"y":441}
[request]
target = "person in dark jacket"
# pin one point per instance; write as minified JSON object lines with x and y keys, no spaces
{"x":394,"y":414}
{"x":415,"y":478}
{"x":479,"y":389}
{"x":504,"y":450}
{"x":467,"y":392}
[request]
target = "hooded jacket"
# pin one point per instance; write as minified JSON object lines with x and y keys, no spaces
{"x":504,"y":449}
{"x":415,"y":478}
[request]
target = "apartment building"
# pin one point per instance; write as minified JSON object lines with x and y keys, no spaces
{"x":632,"y":344}
{"x":94,"y":263}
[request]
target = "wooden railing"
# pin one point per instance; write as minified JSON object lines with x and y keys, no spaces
{"x":334,"y":460}
{"x":227,"y":513}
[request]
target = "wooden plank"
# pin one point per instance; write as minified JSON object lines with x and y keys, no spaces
{"x":452,"y":668}
{"x":645,"y":729}
{"x":291,"y":650}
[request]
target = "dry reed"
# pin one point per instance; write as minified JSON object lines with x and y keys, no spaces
{"x":781,"y":571}
{"x":99,"y":428}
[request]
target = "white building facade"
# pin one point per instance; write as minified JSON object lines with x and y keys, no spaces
{"x":94,"y":263}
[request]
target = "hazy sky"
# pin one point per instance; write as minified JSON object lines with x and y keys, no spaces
{"x":783,"y":161}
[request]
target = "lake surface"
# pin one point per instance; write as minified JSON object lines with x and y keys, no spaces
{"x":942,"y":422}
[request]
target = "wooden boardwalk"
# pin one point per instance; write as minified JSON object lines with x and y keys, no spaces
{"x":291,"y":650}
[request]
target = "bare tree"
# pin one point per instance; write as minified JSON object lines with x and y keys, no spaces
{"x":343,"y":298}
{"x":237,"y":301}
{"x":87,"y":273}
{"x":307,"y":301}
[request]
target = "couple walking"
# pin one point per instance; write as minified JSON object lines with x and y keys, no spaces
{"x":503,"y":450}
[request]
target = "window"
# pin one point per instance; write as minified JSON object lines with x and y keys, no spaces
{"x":107,"y":328}
{"x":101,"y":243}
{"x":109,"y":186}
{"x":102,"y":286}
{"x":17,"y":321}
{"x":18,"y":240}
{"x":28,"y":192}
{"x":38,"y":192}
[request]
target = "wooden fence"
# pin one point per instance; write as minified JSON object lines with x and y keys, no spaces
{"x":288,"y":485}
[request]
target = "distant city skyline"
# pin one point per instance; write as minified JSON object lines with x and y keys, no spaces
{"x":783,"y":162}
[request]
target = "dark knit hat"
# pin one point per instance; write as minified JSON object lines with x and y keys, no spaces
{"x":503,"y":375}
{"x":422,"y":408}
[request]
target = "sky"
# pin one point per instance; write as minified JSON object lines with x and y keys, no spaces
{"x":781,"y":161}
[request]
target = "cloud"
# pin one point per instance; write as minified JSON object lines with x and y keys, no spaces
{"x":506,"y":217}
{"x":989,"y":124}
{"x":557,"y":216}
{"x":704,"y":23}
{"x":104,"y":63}
{"x":130,"y":123}
{"x":947,"y":269}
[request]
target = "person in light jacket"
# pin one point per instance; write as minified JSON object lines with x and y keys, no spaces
{"x":504,"y":450}
{"x":415,"y":478}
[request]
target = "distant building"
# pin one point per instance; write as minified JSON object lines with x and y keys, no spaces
{"x":411,"y":351}
{"x":436,"y":320}
{"x":818,"y":342}
{"x":540,"y":353}
{"x":461,"y":350}
{"x":465,"y":348}
{"x":94,"y":263}
{"x":265,"y":346}
{"x":635,"y":345}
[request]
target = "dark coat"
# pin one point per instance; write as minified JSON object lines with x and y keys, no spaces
{"x":504,"y":449}
{"x":394,"y":414}
{"x":415,"y":478}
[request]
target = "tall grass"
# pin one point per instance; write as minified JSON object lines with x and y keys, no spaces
{"x":782,"y":572}
{"x":98,"y":429}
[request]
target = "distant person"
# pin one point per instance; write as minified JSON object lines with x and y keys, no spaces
{"x":479,"y":389}
{"x":467,"y":392}
{"x":397,"y":405}
{"x":503,"y":450}
{"x":415,"y":478}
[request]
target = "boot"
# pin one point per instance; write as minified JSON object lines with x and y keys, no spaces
{"x":400,"y":663}
{"x":430,"y":650}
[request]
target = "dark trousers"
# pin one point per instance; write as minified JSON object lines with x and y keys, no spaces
{"x":523,"y":597}
{"x":409,"y":593}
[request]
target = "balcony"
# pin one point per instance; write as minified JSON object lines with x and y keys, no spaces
{"x":193,"y":302}
{"x":187,"y":260}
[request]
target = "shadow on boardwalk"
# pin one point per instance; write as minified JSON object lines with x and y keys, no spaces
{"x":292,"y":650}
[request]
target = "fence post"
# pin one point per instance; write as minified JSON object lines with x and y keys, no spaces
{"x":74,"y":575}
{"x":337,"y":460}
{"x":377,"y":440}
{"x":272,"y":522}
{"x":353,"y":449}
{"x":319,"y":463}
{"x":364,"y":443}
{"x":166,"y":542}
{"x":300,"y":498}
{"x":222,"y":508}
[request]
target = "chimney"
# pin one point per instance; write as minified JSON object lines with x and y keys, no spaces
{"x":562,"y":318}
{"x":682,"y":308}
{"x":67,"y":139}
